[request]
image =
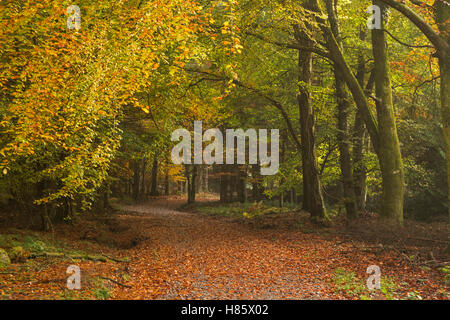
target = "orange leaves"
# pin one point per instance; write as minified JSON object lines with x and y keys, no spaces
{"x":65,"y":89}
{"x":190,"y":256}
{"x":202,"y":258}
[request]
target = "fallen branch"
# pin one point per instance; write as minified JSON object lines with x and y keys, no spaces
{"x":116,"y":259}
{"x":116,"y":282}
{"x":425,"y":239}
{"x":72,"y":256}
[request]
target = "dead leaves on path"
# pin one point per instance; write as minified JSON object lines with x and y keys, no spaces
{"x":214,"y":259}
{"x":187,"y":256}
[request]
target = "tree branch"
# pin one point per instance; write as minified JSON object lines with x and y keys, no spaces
{"x":274,"y":102}
{"x":290,"y":45}
{"x":405,"y":44}
{"x":439,"y":43}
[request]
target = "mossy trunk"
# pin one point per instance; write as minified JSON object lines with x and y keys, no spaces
{"x":445,"y":92}
{"x":389,"y":147}
{"x":383,"y":133}
{"x":442,"y":12}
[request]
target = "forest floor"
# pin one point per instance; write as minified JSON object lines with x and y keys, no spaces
{"x":157,"y":250}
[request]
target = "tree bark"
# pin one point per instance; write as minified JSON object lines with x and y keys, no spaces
{"x":343,"y":136}
{"x":389,"y":147}
{"x":442,"y":13}
{"x":312,"y":191}
{"x":205,"y":179}
{"x":136,"y":176}
{"x":389,"y":153}
{"x":154,"y":184}
{"x":359,"y":169}
{"x":242,"y":181}
{"x":441,"y":42}
{"x":192,"y":177}
{"x":142,"y":194}
{"x":167,"y":183}
{"x":257,"y":190}
{"x":360,"y":137}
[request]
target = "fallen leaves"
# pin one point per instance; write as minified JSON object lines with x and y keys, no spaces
{"x":189,"y":256}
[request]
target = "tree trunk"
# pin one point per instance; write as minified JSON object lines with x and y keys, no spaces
{"x":154,"y":184}
{"x":389,"y":147}
{"x":191,"y":178}
{"x":343,"y":136}
{"x":356,"y":90}
{"x":205,"y":179}
{"x":282,"y":180}
{"x":106,"y":192}
{"x":360,"y":137}
{"x":344,"y":147}
{"x":386,"y":134}
{"x":312,"y":191}
{"x":136,"y":176}
{"x":441,"y":42}
{"x":256,"y":183}
{"x":442,"y":12}
{"x":445,"y":107}
{"x":241,"y":189}
{"x":143,"y":169}
{"x":167,"y":183}
{"x":359,"y":168}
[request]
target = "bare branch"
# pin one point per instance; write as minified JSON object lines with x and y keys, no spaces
{"x":405,"y":44}
{"x":290,"y":45}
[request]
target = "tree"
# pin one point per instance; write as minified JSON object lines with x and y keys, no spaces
{"x":344,"y":141}
{"x":441,"y":42}
{"x":312,"y":189}
{"x":391,"y":207}
{"x":63,"y":91}
{"x":389,"y":155}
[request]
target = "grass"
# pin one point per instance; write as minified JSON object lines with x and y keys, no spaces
{"x":19,"y":245}
{"x":101,"y":291}
{"x":446,"y":271}
{"x":239,"y":210}
{"x":346,"y":282}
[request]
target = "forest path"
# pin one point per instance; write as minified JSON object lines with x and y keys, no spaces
{"x":189,"y":256}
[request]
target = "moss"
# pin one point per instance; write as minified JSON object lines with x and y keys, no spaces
{"x":18,"y":254}
{"x":4,"y":259}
